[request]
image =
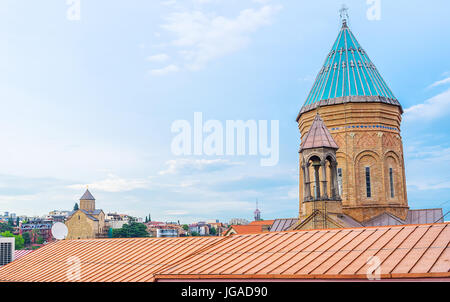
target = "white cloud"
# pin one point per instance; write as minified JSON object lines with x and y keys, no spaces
{"x":189,"y":166}
{"x":435,"y":107}
{"x":426,"y":186}
{"x":169,"y":2}
{"x":176,"y":212}
{"x":203,"y":37}
{"x":158,"y":58}
{"x":441,"y":82}
{"x":114,"y":183}
{"x":164,"y":71}
{"x":307,"y":78}
{"x":261,"y":1}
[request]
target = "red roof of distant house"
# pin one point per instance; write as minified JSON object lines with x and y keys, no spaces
{"x":404,"y":252}
{"x":246,"y":229}
{"x":262,"y":222}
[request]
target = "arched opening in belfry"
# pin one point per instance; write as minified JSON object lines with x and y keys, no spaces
{"x":320,"y":178}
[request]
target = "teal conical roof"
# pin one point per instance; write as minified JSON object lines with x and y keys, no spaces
{"x":348,"y":75}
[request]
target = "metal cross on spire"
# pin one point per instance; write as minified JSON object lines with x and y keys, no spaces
{"x":344,"y":14}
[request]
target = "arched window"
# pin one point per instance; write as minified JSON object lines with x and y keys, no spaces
{"x":339,"y":176}
{"x":391,"y":182}
{"x":368,"y":187}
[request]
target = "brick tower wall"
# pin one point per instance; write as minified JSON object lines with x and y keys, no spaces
{"x":368,"y":135}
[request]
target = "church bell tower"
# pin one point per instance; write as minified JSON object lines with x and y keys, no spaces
{"x":363,"y":117}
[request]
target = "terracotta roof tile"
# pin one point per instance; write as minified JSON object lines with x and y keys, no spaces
{"x":406,"y":251}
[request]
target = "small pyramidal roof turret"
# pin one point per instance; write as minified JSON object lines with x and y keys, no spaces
{"x":348,"y":75}
{"x":318,"y":136}
{"x":87,"y":196}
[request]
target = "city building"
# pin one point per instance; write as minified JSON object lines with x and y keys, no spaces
{"x":39,"y":229}
{"x":163,"y":229}
{"x":238,"y":221}
{"x":116,"y":221}
{"x":6,"y":250}
{"x":265,"y":224}
{"x":200,"y":228}
{"x":7,"y":216}
{"x":217,"y":228}
{"x":243,"y":229}
{"x":58,"y":216}
{"x":161,"y":233}
{"x":87,"y":221}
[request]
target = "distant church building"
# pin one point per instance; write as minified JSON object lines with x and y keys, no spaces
{"x":87,"y":221}
{"x":352,"y":169}
{"x":257,"y":213}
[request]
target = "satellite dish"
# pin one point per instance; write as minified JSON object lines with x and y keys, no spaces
{"x":59,"y":231}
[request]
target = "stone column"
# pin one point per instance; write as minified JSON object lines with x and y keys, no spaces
{"x":306,"y":182}
{"x":324,"y":179}
{"x":317,"y":180}
{"x":333,"y":178}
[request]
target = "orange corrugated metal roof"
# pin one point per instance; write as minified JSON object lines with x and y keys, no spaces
{"x":103,"y":260}
{"x":20,"y":253}
{"x":247,"y":229}
{"x":407,"y":251}
{"x":262,"y":222}
{"x":404,"y":251}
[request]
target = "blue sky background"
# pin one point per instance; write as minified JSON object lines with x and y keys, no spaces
{"x":92,"y":101}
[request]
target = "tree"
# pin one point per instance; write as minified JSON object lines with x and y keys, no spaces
{"x":27,"y":238}
{"x":4,"y":227}
{"x":185,"y":227}
{"x":213,"y":231}
{"x":131,"y":230}
{"x":40,"y":240}
{"x":19,"y":241}
{"x":76,"y":207}
{"x":195,"y":234}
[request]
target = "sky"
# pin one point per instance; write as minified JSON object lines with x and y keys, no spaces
{"x":90,"y":91}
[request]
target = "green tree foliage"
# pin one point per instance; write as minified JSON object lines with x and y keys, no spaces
{"x":19,"y":241}
{"x":131,"y":230}
{"x":40,"y":240}
{"x":5,"y":227}
{"x":76,"y":207}
{"x":185,"y":227}
{"x":213,"y":231}
{"x":27,"y":238}
{"x":195,"y":234}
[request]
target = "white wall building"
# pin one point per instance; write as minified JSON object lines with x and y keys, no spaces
{"x":7,"y":247}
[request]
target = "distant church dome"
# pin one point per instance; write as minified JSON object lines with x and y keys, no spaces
{"x":87,"y":196}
